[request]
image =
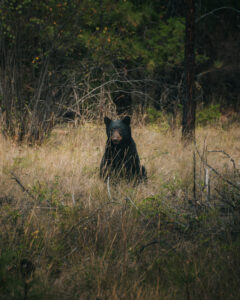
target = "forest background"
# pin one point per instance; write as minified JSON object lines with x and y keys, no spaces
{"x":83,"y":58}
{"x":65,"y":234}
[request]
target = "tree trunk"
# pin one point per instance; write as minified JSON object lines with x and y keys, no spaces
{"x":189,"y":104}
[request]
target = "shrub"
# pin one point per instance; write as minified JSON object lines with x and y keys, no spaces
{"x":208,"y":115}
{"x":156,"y":117}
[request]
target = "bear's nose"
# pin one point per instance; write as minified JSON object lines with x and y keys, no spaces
{"x":116,"y":137}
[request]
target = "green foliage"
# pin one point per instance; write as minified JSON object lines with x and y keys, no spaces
{"x":49,"y":193}
{"x":61,"y":46}
{"x":208,"y":115}
{"x":104,"y":30}
{"x":8,"y":278}
{"x":153,"y":206}
{"x":65,"y":44}
{"x":165,"y":42}
{"x":157,"y":117}
{"x":154,"y":115}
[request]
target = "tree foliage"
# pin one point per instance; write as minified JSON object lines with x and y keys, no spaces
{"x":55,"y":53}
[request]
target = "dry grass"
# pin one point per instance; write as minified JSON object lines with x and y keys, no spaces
{"x":138,"y":244}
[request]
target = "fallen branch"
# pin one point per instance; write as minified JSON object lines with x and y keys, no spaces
{"x":25,"y":190}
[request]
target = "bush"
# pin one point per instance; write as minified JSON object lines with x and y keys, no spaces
{"x":208,"y":115}
{"x":156,"y":117}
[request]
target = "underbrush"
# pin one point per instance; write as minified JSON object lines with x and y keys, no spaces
{"x":65,"y":235}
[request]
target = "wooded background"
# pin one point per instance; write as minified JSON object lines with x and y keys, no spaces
{"x":83,"y":59}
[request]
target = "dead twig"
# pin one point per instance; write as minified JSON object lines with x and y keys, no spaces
{"x":194,"y":176}
{"x":216,"y":172}
{"x":215,"y":10}
{"x":231,"y":204}
{"x":25,"y":190}
{"x":108,"y":188}
{"x":85,"y":220}
{"x":226,"y":154}
{"x":134,"y":205}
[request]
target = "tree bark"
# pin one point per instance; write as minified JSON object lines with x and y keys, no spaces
{"x":189,"y":104}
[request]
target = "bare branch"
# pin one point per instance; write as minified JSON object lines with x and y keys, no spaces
{"x":231,"y":159}
{"x":216,"y":172}
{"x":134,"y":205}
{"x":92,"y":92}
{"x":108,"y":188}
{"x":215,"y":10}
{"x":25,"y":190}
{"x":231,"y":204}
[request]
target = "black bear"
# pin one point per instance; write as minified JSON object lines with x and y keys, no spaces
{"x":121,"y":158}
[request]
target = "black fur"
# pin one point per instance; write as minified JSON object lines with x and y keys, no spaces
{"x":121,"y":160}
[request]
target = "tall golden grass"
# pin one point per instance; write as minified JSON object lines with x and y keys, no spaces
{"x":151,"y":241}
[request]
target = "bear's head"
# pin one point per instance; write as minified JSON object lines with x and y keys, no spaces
{"x":118,"y":131}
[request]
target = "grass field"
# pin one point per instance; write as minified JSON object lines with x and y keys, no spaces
{"x":160,"y":240}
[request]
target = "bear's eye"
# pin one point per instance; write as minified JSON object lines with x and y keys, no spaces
{"x":117,"y":130}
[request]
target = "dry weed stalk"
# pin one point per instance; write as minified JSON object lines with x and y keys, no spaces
{"x":215,"y":171}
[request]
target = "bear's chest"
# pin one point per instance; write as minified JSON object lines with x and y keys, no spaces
{"x":119,"y":155}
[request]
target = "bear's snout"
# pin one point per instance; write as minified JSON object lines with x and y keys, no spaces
{"x":116,"y":137}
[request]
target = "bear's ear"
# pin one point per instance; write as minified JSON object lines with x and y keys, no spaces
{"x":127,"y":120}
{"x":107,"y":121}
